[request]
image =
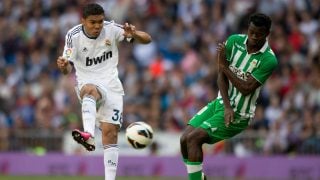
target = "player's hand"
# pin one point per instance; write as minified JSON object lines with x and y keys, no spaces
{"x":228,"y":116}
{"x":129,"y":30}
{"x":62,"y":63}
{"x":222,"y":61}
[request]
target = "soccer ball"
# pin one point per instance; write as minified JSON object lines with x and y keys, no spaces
{"x":139,"y":135}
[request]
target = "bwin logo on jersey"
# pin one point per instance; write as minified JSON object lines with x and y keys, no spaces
{"x":98,"y":60}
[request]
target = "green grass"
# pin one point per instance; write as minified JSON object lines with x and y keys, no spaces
{"x":48,"y":178}
{"x":82,"y":178}
{"x":118,"y":178}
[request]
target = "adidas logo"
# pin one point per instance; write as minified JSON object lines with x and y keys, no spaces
{"x":112,"y":163}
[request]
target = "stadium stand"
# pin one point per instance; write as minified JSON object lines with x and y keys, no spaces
{"x":166,"y":81}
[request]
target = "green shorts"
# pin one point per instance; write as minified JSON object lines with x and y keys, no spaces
{"x":211,"y":118}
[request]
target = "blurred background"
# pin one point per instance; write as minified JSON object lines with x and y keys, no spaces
{"x":167,"y":81}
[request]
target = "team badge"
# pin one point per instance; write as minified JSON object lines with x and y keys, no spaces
{"x":107,"y":42}
{"x":253,"y":64}
{"x":68,"y":53}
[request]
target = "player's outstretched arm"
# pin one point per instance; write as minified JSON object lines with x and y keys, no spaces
{"x":140,"y":36}
{"x":245,"y":87}
{"x":64,"y":65}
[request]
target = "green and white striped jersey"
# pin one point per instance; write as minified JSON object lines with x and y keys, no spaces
{"x":260,"y":65}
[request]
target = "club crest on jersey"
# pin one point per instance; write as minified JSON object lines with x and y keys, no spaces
{"x":68,"y":53}
{"x":253,"y":64}
{"x":84,"y":49}
{"x":107,"y":42}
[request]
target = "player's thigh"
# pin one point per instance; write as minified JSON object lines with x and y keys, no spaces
{"x":100,"y":89}
{"x":217,"y":129}
{"x":111,"y":109}
{"x":214,"y":123}
{"x":204,"y":114}
{"x":91,"y":89}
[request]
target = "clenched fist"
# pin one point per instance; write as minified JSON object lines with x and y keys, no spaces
{"x":63,"y":65}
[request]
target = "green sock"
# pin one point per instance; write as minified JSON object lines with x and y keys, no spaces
{"x":194,"y":170}
{"x":185,"y":161}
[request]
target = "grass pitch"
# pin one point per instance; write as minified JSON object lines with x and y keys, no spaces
{"x":83,"y":178}
{"x":118,"y":178}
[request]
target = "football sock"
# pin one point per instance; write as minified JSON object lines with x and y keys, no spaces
{"x":194,"y":170}
{"x":89,"y":114}
{"x":111,"y":153}
{"x":185,"y":160}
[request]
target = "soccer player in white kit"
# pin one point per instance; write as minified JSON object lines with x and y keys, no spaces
{"x":91,"y":48}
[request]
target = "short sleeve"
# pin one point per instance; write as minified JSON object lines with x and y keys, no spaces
{"x":69,"y":51}
{"x":228,"y":45}
{"x":118,"y":31}
{"x":265,"y":69}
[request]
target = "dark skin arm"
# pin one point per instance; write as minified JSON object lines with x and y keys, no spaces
{"x":223,"y":85}
{"x":245,"y":87}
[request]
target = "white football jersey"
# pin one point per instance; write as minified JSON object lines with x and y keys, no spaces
{"x":95,"y":60}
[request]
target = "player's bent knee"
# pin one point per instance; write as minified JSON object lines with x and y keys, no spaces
{"x":197,"y":137}
{"x":89,"y":90}
{"x":183,"y":138}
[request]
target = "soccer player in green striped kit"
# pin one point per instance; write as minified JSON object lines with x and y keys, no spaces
{"x":245,"y":62}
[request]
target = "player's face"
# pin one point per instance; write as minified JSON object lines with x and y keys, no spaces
{"x":257,"y":35}
{"x":93,"y":24}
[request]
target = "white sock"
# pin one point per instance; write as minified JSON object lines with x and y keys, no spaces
{"x":192,"y":168}
{"x":89,"y":114}
{"x":111,"y":153}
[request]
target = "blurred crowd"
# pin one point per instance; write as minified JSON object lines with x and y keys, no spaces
{"x":168,"y":80}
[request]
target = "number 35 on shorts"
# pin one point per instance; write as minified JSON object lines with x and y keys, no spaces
{"x":117,"y":115}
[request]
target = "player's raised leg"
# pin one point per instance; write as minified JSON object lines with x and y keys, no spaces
{"x":192,"y":140}
{"x":195,"y":139}
{"x":89,"y":95}
{"x":183,"y":143}
{"x":191,"y":149}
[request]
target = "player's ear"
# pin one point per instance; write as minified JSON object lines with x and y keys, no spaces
{"x":83,"y":20}
{"x":267,"y":32}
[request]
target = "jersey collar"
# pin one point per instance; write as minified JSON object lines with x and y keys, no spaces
{"x":84,"y":32}
{"x":262,"y":50}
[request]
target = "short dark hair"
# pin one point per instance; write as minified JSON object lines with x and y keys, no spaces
{"x":260,"y":20}
{"x":92,"y":9}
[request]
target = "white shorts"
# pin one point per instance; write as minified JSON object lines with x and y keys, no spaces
{"x":110,"y":106}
